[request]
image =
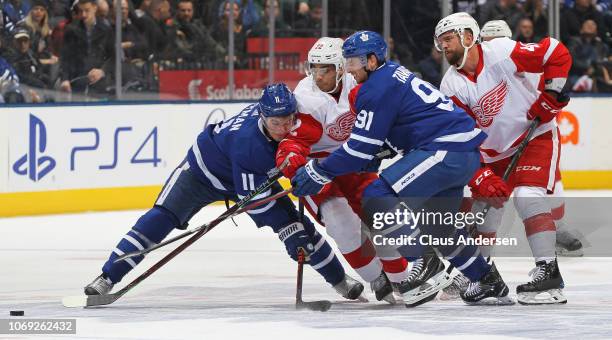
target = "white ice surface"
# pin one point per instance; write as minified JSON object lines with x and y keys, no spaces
{"x":238,"y":283}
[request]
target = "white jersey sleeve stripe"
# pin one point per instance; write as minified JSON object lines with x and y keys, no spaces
{"x":419,"y":170}
{"x":356,"y":153}
{"x":214,"y":180}
{"x":459,"y":137}
{"x":366,"y":139}
{"x":553,"y":45}
{"x":261,"y":210}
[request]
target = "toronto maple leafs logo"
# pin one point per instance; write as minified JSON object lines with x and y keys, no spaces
{"x":364,"y":37}
{"x":490,"y":104}
{"x":341,"y":128}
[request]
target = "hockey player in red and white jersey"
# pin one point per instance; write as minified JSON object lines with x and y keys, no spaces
{"x":567,"y":243}
{"x":324,"y":123}
{"x":485,"y":79}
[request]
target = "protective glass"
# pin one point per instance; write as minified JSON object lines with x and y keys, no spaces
{"x":280,"y":124}
{"x":355,"y":63}
{"x":444,"y":38}
{"x":318,"y":69}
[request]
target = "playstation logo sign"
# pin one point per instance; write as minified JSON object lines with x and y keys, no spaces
{"x":33,"y":163}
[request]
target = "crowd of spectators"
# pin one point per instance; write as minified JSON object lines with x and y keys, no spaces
{"x":69,"y":45}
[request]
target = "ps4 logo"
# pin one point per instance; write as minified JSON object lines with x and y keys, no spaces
{"x":34,"y":164}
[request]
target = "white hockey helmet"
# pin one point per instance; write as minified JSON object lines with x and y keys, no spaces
{"x":327,"y":51}
{"x":457,"y":22}
{"x":496,"y":29}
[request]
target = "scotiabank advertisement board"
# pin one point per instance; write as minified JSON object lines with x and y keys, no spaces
{"x":291,"y":53}
{"x":213,"y":85}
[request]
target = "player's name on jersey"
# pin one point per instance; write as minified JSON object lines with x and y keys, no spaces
{"x":429,"y":240}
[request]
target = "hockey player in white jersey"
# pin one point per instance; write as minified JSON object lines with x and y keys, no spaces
{"x":485,"y":80}
{"x":324,"y":123}
{"x":567,"y":243}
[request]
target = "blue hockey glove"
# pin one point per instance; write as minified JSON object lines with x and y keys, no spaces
{"x":294,"y":236}
{"x":310,"y":179}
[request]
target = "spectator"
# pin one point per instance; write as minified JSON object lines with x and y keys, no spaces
{"x":430,"y":67}
{"x":249,"y":12}
{"x":13,"y":13}
{"x":86,"y":57}
{"x":133,"y":42}
{"x":588,"y":51}
{"x":534,"y":10}
{"x":399,"y":53}
{"x":134,"y":68}
{"x":507,"y":10}
{"x":191,"y":41}
{"x":57,"y":34}
{"x":220,"y":34}
{"x":153,"y":25}
{"x":309,"y":25}
{"x":26,"y":65}
{"x":524,"y":32}
{"x":282,"y":29}
{"x":37,"y":22}
{"x":573,"y":18}
{"x":141,"y":7}
{"x":103,"y":12}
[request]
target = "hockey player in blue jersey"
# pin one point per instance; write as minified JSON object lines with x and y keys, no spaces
{"x":439,"y":146}
{"x":228,"y":161}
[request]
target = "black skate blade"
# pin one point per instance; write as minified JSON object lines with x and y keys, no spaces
{"x":493,"y":301}
{"x":317,"y":306}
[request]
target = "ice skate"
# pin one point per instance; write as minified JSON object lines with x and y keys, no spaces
{"x":568,"y":245}
{"x":350,"y":289}
{"x":490,"y":290}
{"x":99,"y":286}
{"x":425,"y":279}
{"x":383,"y":289}
{"x":546,"y":286}
{"x":453,"y":291}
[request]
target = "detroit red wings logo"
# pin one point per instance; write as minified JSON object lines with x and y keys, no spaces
{"x":490,"y":104}
{"x":341,"y":128}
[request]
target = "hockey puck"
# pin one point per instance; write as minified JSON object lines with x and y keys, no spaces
{"x":17,"y":313}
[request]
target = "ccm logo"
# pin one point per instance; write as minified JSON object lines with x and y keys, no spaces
{"x":528,"y":168}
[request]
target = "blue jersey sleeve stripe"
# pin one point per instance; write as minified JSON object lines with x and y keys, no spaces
{"x":366,"y":139}
{"x":356,"y":153}
{"x":459,"y":137}
{"x":214,"y":180}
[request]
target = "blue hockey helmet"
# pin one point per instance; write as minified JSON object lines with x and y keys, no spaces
{"x":363,"y":43}
{"x":277,"y":100}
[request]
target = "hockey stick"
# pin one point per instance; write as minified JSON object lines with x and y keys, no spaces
{"x":515,"y":158}
{"x":197,"y":229}
{"x":98,"y":300}
{"x":322,"y":305}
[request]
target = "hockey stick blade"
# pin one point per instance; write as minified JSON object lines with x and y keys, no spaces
{"x":317,"y":306}
{"x":89,"y":300}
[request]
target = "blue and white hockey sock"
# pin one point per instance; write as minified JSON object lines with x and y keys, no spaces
{"x":151,"y":228}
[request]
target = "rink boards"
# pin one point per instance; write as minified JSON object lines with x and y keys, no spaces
{"x":58,"y":159}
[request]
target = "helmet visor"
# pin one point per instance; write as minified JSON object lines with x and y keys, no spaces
{"x":355,"y":63}
{"x":319,"y":69}
{"x":445,"y":39}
